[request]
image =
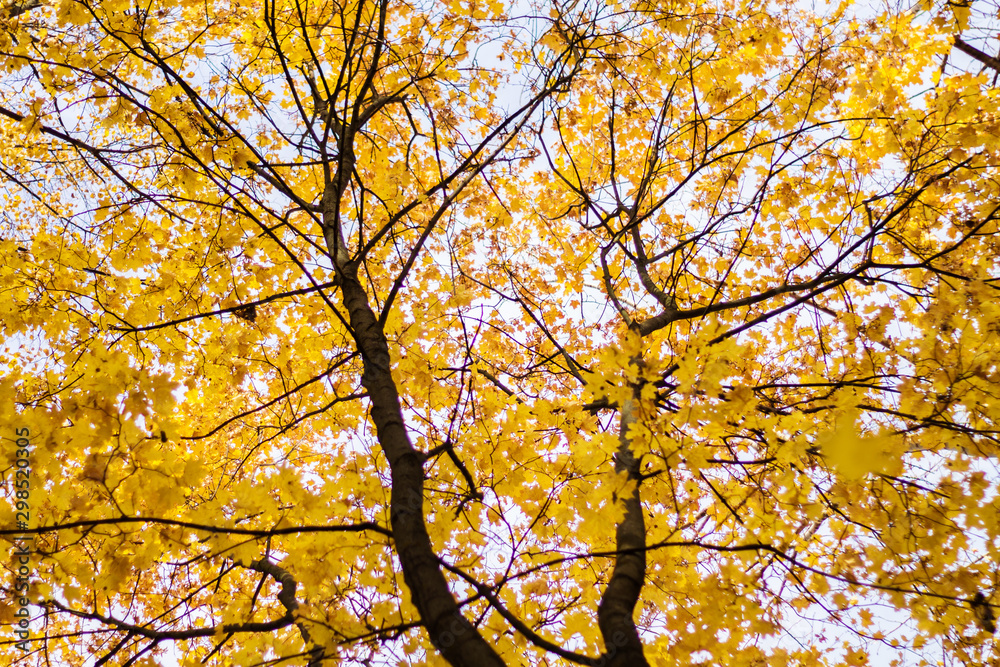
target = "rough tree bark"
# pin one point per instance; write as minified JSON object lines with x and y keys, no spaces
{"x":623,"y":647}
{"x":459,"y":642}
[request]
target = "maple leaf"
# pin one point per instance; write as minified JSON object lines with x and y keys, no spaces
{"x":595,"y":335}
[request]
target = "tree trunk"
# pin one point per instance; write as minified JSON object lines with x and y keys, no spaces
{"x":623,"y":647}
{"x":457,"y":640}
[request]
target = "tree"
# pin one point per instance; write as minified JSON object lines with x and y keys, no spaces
{"x":377,"y":332}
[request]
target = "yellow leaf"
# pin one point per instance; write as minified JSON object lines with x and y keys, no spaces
{"x":852,"y":454}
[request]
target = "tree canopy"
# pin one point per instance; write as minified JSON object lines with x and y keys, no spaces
{"x":609,"y":333}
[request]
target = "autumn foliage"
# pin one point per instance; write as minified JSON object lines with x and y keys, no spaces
{"x":482,"y":333}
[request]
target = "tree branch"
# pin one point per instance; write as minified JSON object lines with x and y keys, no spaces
{"x":970,"y":50}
